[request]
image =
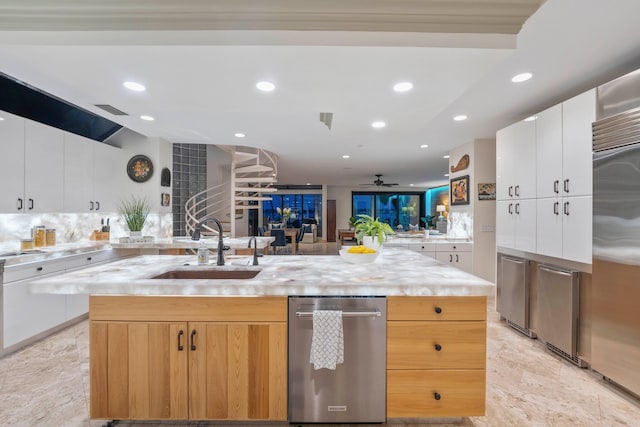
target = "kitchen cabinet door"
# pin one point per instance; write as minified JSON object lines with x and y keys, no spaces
{"x":577,"y":214}
{"x":578,"y":114}
{"x":524,"y":160}
{"x":12,"y":163}
{"x":549,"y":227}
{"x":108,"y":174}
{"x":78,"y":173}
{"x":238,"y":371}
{"x":505,"y":225}
{"x":549,"y":152}
{"x":525,"y":225}
{"x":44,"y":168}
{"x":461,"y":260}
{"x":504,"y":163}
{"x":139,"y":370}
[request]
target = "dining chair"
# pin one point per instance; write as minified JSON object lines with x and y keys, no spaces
{"x":280,"y":240}
{"x":299,"y":238}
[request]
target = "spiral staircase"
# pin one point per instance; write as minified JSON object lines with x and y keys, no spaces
{"x":252,"y":177}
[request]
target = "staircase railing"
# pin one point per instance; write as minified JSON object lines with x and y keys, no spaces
{"x":213,"y":201}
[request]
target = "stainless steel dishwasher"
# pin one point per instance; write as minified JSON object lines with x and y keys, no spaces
{"x":356,"y":390}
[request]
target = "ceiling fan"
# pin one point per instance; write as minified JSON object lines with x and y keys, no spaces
{"x":379,"y":182}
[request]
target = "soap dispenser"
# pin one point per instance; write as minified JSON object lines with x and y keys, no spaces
{"x":203,"y":254}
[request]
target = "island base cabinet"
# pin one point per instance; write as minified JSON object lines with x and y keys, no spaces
{"x":179,"y":369}
{"x":420,"y":393}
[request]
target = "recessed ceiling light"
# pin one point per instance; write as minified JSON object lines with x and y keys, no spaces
{"x":345,"y":156}
{"x":239,"y":135}
{"x":460,"y":118}
{"x":265,"y":86}
{"x":147,"y":118}
{"x":378,"y":124}
{"x":134,"y":86}
{"x":530,"y":118}
{"x":446,"y":174}
{"x":403,"y":86}
{"x":446,"y":156}
{"x":522,"y":77}
{"x":424,"y":146}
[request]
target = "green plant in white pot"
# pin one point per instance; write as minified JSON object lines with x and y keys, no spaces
{"x":372,"y":232}
{"x":134,"y":212}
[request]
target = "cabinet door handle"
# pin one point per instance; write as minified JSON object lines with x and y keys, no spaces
{"x":97,"y":205}
{"x":91,"y":205}
{"x":193,"y":334}
{"x":556,"y":185}
{"x":438,"y":347}
{"x":438,"y":310}
{"x":518,"y":208}
{"x":556,"y":206}
{"x":89,"y":258}
{"x":450,"y":258}
{"x":517,"y":191}
{"x":456,"y":257}
{"x":566,"y":185}
{"x":30,"y":204}
{"x":510,"y":208}
{"x":180,"y":334}
{"x":437,"y":396}
{"x":39,"y":269}
{"x":566,"y":208}
{"x":511,"y":191}
{"x":20,"y":205}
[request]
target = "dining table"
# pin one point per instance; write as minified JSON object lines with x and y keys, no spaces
{"x":346,"y":234}
{"x":288,"y":232}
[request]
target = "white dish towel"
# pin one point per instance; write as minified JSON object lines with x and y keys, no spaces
{"x":327,"y":342}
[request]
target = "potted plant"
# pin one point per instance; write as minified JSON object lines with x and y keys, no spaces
{"x":352,"y":222}
{"x":135,"y":212}
{"x":371,"y":232}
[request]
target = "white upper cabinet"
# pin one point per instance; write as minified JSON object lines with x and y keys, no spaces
{"x":578,"y":115}
{"x":91,"y":177}
{"x":515,"y":161}
{"x":549,"y":152}
{"x":12,"y":163}
{"x":43,"y":170}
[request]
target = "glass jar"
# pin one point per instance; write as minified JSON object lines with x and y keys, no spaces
{"x":26,"y":244}
{"x":39,"y":236}
{"x":50,"y":237}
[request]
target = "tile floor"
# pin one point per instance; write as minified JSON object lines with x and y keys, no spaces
{"x":46,"y":384}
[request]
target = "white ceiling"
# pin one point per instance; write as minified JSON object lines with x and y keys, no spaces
{"x":201,"y":84}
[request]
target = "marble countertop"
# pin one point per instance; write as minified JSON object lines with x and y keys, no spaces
{"x":405,"y":238}
{"x":187,"y":243}
{"x":397,"y":271}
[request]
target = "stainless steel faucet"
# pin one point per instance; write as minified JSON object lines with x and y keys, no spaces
{"x":255,"y":249}
{"x":221,"y":247}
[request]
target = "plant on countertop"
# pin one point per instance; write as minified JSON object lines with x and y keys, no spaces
{"x":352,"y":222}
{"x":367,"y":226}
{"x":135,"y":212}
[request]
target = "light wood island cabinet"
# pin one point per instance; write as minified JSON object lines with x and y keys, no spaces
{"x":436,"y":356}
{"x":172,"y":357}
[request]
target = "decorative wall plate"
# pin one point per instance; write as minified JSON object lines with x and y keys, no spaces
{"x":140,"y":168}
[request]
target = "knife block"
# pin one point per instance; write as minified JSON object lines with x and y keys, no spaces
{"x":99,"y":235}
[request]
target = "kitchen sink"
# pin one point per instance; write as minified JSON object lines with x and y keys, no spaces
{"x":208,"y":274}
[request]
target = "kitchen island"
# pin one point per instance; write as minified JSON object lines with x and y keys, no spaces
{"x":170,"y":348}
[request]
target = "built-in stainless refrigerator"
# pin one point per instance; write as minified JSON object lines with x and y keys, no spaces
{"x":616,"y":233}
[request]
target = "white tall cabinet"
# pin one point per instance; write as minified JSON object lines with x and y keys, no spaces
{"x":544,"y":181}
{"x":564,"y":170}
{"x":12,"y":163}
{"x":516,"y":186}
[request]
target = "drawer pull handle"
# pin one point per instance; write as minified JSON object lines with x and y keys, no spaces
{"x":438,"y":347}
{"x":180,"y":334}
{"x":193,"y":345}
{"x":438,"y":310}
{"x":39,"y":269}
{"x":89,"y":258}
{"x":437,"y":396}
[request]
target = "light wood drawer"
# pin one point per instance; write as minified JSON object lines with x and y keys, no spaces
{"x":422,"y":394}
{"x":188,"y":308}
{"x":437,"y":308}
{"x":436,"y":345}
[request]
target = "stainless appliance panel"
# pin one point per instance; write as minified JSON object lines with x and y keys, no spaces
{"x":558,"y":308}
{"x":615,"y":344}
{"x":513,"y":290}
{"x":356,"y":390}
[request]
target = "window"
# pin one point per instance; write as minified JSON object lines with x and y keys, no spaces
{"x":304,"y":208}
{"x":393,"y":208}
